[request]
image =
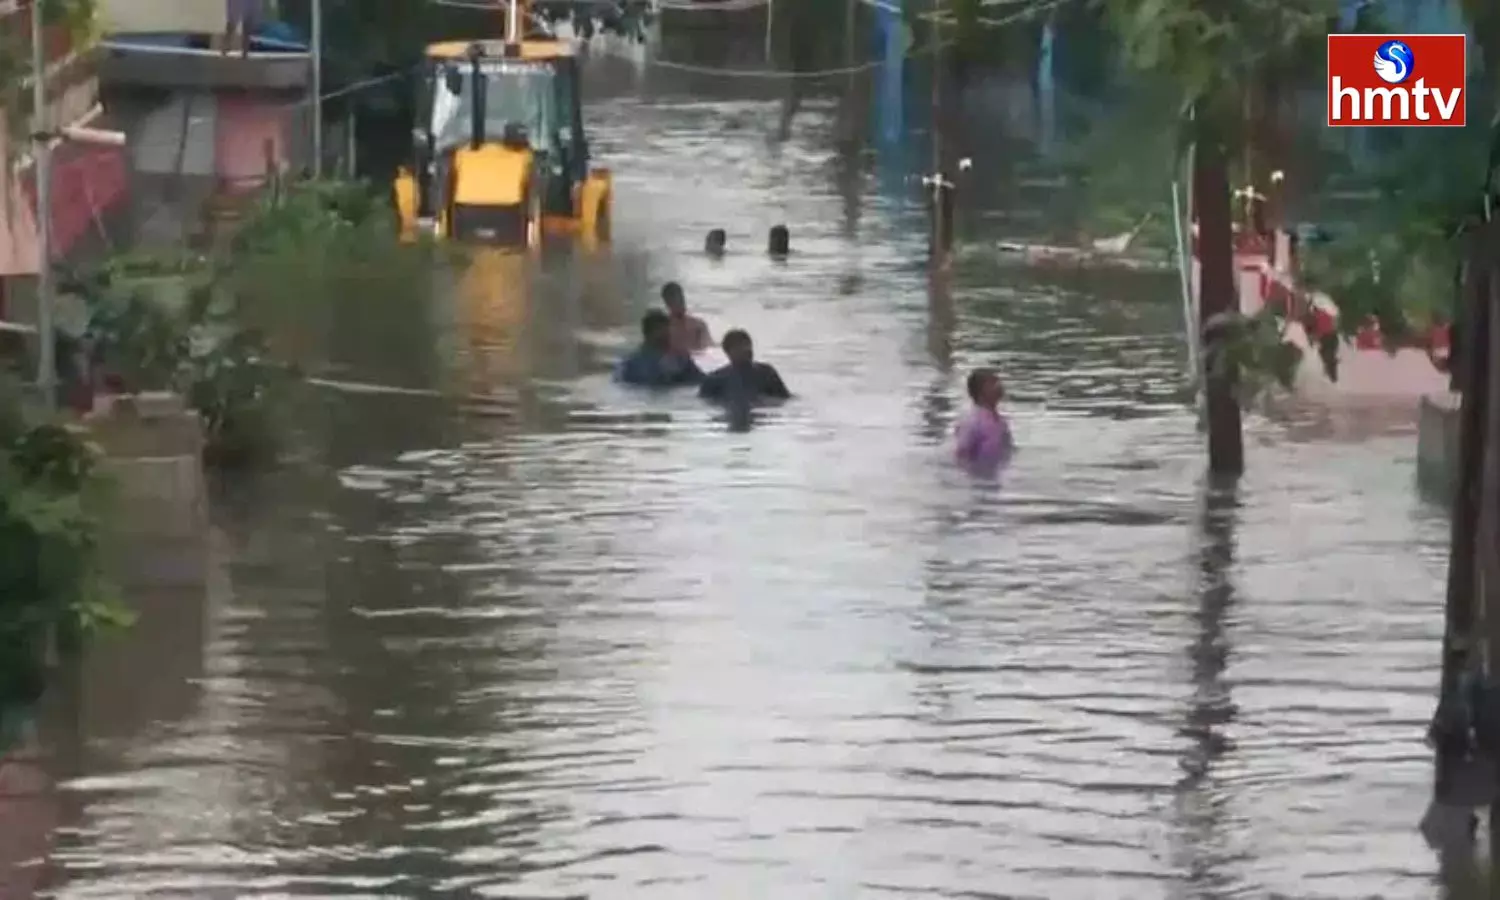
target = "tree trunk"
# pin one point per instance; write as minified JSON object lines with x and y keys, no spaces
{"x":1459,"y":604}
{"x":1217,"y":299}
{"x":1489,"y":504}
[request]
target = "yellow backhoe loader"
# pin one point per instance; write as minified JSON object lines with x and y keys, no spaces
{"x":500,"y":152}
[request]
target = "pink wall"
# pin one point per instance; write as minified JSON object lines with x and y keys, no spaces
{"x":243,"y":126}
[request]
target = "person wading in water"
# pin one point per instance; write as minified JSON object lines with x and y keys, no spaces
{"x":715,"y":243}
{"x":779,"y":242}
{"x":983,"y":441}
{"x":654,"y":364}
{"x":689,"y":333}
{"x":743,"y":381}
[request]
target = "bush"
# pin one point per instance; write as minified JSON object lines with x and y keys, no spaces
{"x":50,"y":580}
{"x":198,"y":349}
{"x":231,"y":333}
{"x":318,"y":259}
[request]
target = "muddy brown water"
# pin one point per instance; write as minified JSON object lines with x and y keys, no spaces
{"x":539,"y":637}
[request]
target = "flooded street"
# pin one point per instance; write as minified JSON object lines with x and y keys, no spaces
{"x":546,"y":638}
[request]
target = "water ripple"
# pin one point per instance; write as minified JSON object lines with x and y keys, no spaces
{"x":604,"y":646}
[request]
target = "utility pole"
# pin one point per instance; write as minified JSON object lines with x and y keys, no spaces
{"x":770,"y":23}
{"x":351,"y":143}
{"x":41,"y":149}
{"x":939,"y":180}
{"x":317,"y":87}
{"x":850,"y":26}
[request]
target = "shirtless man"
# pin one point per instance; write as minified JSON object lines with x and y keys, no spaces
{"x":689,"y":333}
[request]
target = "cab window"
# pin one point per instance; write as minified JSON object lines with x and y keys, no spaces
{"x":514,"y":94}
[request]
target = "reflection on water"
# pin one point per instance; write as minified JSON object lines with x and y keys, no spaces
{"x":1201,"y":797}
{"x":551,"y":638}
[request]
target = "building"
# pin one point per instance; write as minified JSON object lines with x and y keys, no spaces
{"x":202,"y":121}
{"x":89,"y":179}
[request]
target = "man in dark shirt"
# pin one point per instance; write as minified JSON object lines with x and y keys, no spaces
{"x":653,"y":364}
{"x":744,"y":379}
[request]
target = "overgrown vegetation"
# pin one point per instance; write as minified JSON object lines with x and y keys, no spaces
{"x":1398,"y":266}
{"x":78,"y":19}
{"x":52,"y":593}
{"x":202,"y":326}
{"x":229,"y":331}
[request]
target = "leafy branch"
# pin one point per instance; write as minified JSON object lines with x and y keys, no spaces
{"x":51,"y":581}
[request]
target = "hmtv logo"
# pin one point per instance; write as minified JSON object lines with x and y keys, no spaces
{"x":1391,"y":79}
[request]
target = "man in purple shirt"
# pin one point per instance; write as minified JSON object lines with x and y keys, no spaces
{"x":983,"y":438}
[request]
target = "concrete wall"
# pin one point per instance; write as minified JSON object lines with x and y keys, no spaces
{"x":153,"y":447}
{"x":1437,"y":444}
{"x":184,"y":144}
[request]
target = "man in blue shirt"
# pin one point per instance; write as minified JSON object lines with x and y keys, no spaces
{"x":653,"y":364}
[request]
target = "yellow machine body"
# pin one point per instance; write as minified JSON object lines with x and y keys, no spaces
{"x":501,"y":153}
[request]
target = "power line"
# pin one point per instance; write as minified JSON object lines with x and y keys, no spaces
{"x":1032,"y":9}
{"x":770,"y":74}
{"x":726,"y":6}
{"x":351,"y":88}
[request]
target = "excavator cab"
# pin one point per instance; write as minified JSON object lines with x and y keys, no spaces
{"x":499,"y":149}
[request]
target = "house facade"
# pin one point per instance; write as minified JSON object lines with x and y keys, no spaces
{"x":88,"y":173}
{"x":203,"y":121}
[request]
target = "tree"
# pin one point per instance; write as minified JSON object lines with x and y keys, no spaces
{"x":1484,"y":28}
{"x":1216,"y":54}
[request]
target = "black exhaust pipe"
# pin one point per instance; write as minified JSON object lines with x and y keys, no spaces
{"x":481,"y":93}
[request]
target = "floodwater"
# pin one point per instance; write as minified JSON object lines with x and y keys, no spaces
{"x":545,"y":638}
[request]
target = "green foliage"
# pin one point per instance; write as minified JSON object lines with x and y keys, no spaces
{"x":1399,"y":262}
{"x":80,"y":18}
{"x":50,"y":578}
{"x":299,"y":244}
{"x":200,"y":350}
{"x":316,"y":244}
{"x":1403,"y":281}
{"x":143,"y":343}
{"x":314,"y":216}
{"x":1484,"y":27}
{"x":1253,"y":354}
{"x":1124,"y":164}
{"x":1214,"y":53}
{"x":237,"y":387}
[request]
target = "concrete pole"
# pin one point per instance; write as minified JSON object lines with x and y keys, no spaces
{"x":317,"y":87}
{"x":351,"y":132}
{"x":770,"y":23}
{"x":942,"y":187}
{"x":41,"y":148}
